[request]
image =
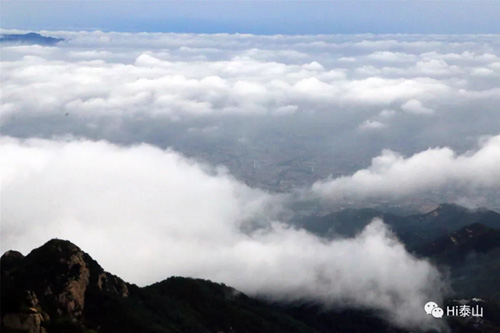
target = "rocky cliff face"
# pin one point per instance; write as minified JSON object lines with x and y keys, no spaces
{"x":52,"y":286}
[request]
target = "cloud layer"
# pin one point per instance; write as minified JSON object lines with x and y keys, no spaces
{"x":146,"y":213}
{"x":473,"y":174}
{"x":175,"y":75}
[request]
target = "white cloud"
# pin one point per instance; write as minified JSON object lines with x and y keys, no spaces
{"x":286,"y":110}
{"x":97,"y":74}
{"x":372,"y":125}
{"x":436,"y":67}
{"x":146,"y":214}
{"x":481,"y":71}
{"x":314,"y":66}
{"x":387,"y":113}
{"x":392,"y":56}
{"x":392,"y":176}
{"x":415,"y":106}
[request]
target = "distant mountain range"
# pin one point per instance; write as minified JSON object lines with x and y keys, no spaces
{"x":467,"y":242}
{"x":30,"y":38}
{"x":412,"y":229}
{"x":60,"y":288}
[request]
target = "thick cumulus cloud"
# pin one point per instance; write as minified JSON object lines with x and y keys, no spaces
{"x":475,"y":174}
{"x":146,"y":213}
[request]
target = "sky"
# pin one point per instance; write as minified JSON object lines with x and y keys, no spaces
{"x":196,"y":148}
{"x":256,"y":17}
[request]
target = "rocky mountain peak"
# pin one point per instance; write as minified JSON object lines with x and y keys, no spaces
{"x":54,"y":280}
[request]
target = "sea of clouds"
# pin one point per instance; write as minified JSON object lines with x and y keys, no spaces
{"x":75,"y":167}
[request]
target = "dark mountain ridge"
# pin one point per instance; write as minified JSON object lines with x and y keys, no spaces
{"x":413,"y":230}
{"x":472,"y":257}
{"x":475,"y":237}
{"x":464,"y":243}
{"x":31,"y":38}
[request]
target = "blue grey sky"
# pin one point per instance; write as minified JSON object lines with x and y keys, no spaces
{"x":256,"y":17}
